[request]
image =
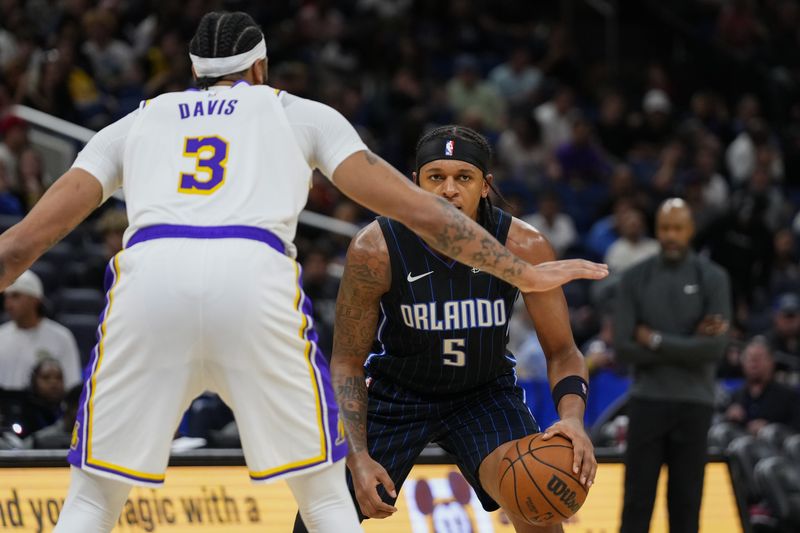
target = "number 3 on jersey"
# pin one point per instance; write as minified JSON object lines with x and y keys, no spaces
{"x":210,"y":155}
{"x":453,"y":352}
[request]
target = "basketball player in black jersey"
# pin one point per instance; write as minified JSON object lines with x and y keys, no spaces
{"x":440,"y":371}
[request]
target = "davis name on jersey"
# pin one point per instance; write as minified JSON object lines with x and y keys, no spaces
{"x":210,"y":107}
{"x":456,"y":314}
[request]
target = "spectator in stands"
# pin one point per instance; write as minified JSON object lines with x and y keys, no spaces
{"x":622,"y":184}
{"x":708,"y":111}
{"x":785,"y":271}
{"x":741,"y":243}
{"x":553,"y":223}
{"x":671,"y":322}
{"x":111,"y":227}
{"x":664,"y":182}
{"x":32,"y":178}
{"x":9,"y":202}
{"x":516,"y":80}
{"x":633,"y":245}
{"x":553,"y":117}
{"x":741,"y":156}
{"x":42,"y":406}
{"x":605,"y":231}
{"x":110,"y":57}
{"x":14,"y":134}
{"x":762,"y":400}
{"x":738,"y":27}
{"x":612,"y":127}
{"x":521,"y":153}
{"x":30,"y":337}
{"x":784,"y":336}
{"x":599,"y":350}
{"x":656,"y":128}
{"x":77,"y":95}
{"x":580,"y":159}
{"x":468,"y":93}
{"x":704,"y":173}
{"x":704,"y":215}
{"x":59,"y":434}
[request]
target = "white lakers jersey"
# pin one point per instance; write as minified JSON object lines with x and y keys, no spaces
{"x":240,"y":155}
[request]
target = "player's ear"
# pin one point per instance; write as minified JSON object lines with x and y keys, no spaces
{"x":487,"y":182}
{"x":415,"y":178}
{"x":260,"y":72}
{"x":194,"y":74}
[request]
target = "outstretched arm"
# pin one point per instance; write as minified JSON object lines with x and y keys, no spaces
{"x":65,"y":205}
{"x":550,"y":315}
{"x":375,"y":184}
{"x":367,"y":276}
{"x":95,"y":175}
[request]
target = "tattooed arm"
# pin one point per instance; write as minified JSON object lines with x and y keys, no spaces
{"x":65,"y":204}
{"x":377,"y":185}
{"x":367,"y":276}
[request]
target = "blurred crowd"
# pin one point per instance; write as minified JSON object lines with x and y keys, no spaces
{"x":701,"y":99}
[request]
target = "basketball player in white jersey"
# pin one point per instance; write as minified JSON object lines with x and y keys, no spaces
{"x":206,"y":294}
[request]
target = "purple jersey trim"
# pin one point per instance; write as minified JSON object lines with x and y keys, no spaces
{"x":77,"y":452}
{"x":170,"y":231}
{"x":334,"y":451}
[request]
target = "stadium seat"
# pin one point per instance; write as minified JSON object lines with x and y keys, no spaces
{"x":720,"y":435}
{"x":746,"y":452}
{"x":6,"y":221}
{"x":79,"y":301}
{"x":59,"y":441}
{"x":227,"y":437}
{"x":84,"y":327}
{"x":792,"y":448}
{"x":775,"y":434}
{"x":60,"y":254}
{"x":75,"y":274}
{"x":778,"y":479}
{"x":49,"y":274}
{"x":79,"y":237}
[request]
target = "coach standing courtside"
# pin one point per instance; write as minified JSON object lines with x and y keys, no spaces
{"x":672,"y":317}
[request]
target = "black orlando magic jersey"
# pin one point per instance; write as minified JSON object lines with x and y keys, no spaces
{"x":444,"y":325}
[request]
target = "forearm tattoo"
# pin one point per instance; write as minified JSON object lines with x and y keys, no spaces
{"x":357,"y":309}
{"x":458,"y":239}
{"x":351,"y":394}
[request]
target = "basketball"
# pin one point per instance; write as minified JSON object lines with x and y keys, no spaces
{"x":537,"y":483}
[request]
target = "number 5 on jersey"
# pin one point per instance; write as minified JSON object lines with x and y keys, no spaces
{"x":210,"y":155}
{"x":453,"y":352}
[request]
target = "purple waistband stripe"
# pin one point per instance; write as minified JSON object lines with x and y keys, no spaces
{"x":170,"y":231}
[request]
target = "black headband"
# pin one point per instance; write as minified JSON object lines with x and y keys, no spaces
{"x":452,"y":148}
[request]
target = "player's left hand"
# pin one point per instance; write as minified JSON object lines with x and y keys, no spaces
{"x":584,"y":462}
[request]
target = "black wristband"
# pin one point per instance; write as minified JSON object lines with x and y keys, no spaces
{"x":570,"y":385}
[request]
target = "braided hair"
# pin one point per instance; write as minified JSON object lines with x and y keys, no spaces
{"x":485,"y":207}
{"x":224,"y":34}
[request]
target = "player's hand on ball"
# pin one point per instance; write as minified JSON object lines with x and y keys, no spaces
{"x":367,"y":475}
{"x":584,"y":461}
{"x":551,"y":274}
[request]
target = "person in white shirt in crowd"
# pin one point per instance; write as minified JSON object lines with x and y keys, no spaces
{"x":516,"y":79}
{"x":633,"y":244}
{"x":742,"y":156}
{"x":30,"y":337}
{"x":554,"y":224}
{"x":553,"y":117}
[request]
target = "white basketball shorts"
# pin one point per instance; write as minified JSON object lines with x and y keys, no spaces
{"x":191,"y":309}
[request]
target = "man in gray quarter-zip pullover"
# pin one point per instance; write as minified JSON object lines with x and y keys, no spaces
{"x":670,"y":325}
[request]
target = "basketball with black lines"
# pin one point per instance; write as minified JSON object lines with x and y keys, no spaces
{"x":536,"y":480}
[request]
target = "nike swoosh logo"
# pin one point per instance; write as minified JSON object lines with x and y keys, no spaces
{"x":411,"y":278}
